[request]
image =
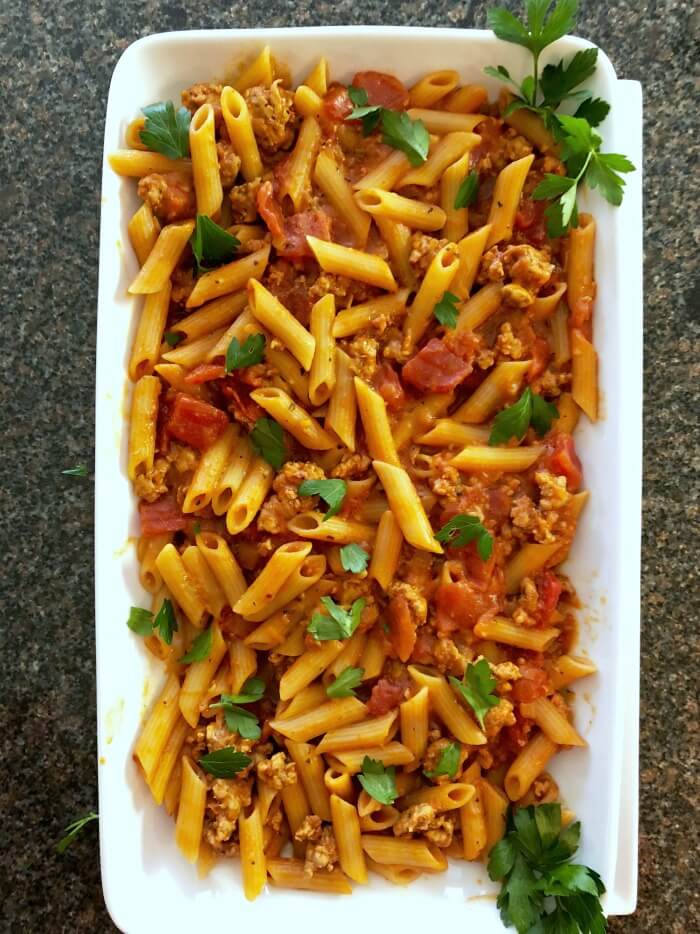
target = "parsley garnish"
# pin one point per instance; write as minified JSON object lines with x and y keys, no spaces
{"x":268,"y":440}
{"x":79,"y":471}
{"x":514,"y":420}
{"x":346,"y":682}
{"x":142,"y":622}
{"x":398,"y":129}
{"x":544,"y":93}
{"x":446,"y":310}
{"x":532,"y":864}
{"x":225,"y":763}
{"x":332,"y":492}
{"x":448,"y":762}
{"x":237,"y":719}
{"x":211,"y":244}
{"x":239,"y":356}
{"x":378,"y":782}
{"x":200,"y":648}
{"x":463,"y":529}
{"x":172,"y":338}
{"x":353,"y":558}
{"x":167,"y":130}
{"x":72,"y":831}
{"x":468,"y":190}
{"x":476,"y":688}
{"x":339,"y":624}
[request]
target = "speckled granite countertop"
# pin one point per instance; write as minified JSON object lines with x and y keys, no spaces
{"x":55,"y":65}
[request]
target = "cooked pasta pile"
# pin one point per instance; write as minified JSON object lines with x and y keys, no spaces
{"x":358,"y":365}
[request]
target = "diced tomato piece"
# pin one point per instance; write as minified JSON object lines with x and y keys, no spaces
{"x":162,"y":516}
{"x":269,"y":209}
{"x":460,"y":604}
{"x":386,"y":695}
{"x":435,"y":368}
{"x":549,"y":590}
{"x":382,"y":89}
{"x":530,"y":219}
{"x":532,"y":684}
{"x":540,"y":353}
{"x":422,"y":652}
{"x":517,"y":736}
{"x":335,"y":106}
{"x":241,"y":406}
{"x":402,"y":628}
{"x":562,"y":459}
{"x":204,"y":373}
{"x":293,"y":243}
{"x":195,"y":422}
{"x":388,"y":385}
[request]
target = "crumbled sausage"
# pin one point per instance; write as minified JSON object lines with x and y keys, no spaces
{"x":170,"y":195}
{"x":153,"y":484}
{"x":244,"y":205}
{"x":286,"y":502}
{"x":527,"y":266}
{"x":273,"y":116}
{"x":229,"y":163}
{"x":423,"y":251}
{"x":203,"y":93}
{"x":491,"y":266}
{"x":322,"y":855}
{"x":347,"y":291}
{"x":363,"y":352}
{"x":225,"y":802}
{"x":498,"y":717}
{"x":351,"y":465}
{"x":417,"y":603}
{"x":277,"y":771}
{"x":309,"y":829}
{"x":449,"y":658}
{"x":553,"y":491}
{"x":423,"y":818}
{"x":508,"y":344}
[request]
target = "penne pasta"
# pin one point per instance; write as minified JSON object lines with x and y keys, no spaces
{"x":355,"y":264}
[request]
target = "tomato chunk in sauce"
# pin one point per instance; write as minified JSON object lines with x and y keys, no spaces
{"x":164,"y":515}
{"x":382,"y":90}
{"x":195,"y":422}
{"x":435,"y":368}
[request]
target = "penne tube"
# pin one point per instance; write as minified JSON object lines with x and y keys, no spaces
{"x":181,"y":584}
{"x":414,"y":723}
{"x":526,"y":562}
{"x":191,"y":353}
{"x":306,"y":669}
{"x":377,"y":311}
{"x":398,"y":239}
{"x":260,"y":71}
{"x":407,"y":507}
{"x":317,"y":79}
{"x":267,"y":584}
{"x":249,"y":497}
{"x":339,"y":784}
{"x":414,"y":214}
{"x":579,"y":273}
{"x":472,"y":822}
{"x":559,"y":329}
{"x":386,"y":174}
{"x":503,"y":630}
{"x":495,"y":805}
{"x":132,"y":134}
{"x":479,"y":307}
{"x":355,"y":264}
{"x":466,"y":100}
{"x":296,"y":808}
{"x":584,"y":374}
{"x":443,"y":154}
{"x":532,"y":127}
{"x":205,"y":162}
{"x":142,"y":429}
{"x":300,"y":580}
{"x":143,"y":229}
{"x":506,"y":198}
{"x":483,"y":458}
{"x":243,"y":663}
{"x":240,"y":130}
{"x":190,"y":812}
{"x":232,"y":476}
{"x":174,"y":375}
{"x":322,"y":373}
{"x":446,"y":706}
{"x":471,"y":249}
{"x":447,"y":797}
{"x":295,"y":182}
{"x":155,"y":273}
{"x":448,"y":433}
{"x":279,"y":321}
{"x":569,"y":413}
{"x":313,"y":695}
{"x":216,"y":314}
{"x":552,"y":722}
{"x":169,"y":758}
{"x":157,"y":729}
{"x":172,"y":792}
{"x":293,"y":418}
{"x":346,"y":830}
{"x":392,"y":753}
{"x":433,"y":87}
{"x":375,"y":422}
{"x":244,"y":325}
{"x":306,"y":101}
{"x":495,"y":392}
{"x":270,"y":633}
{"x":441,"y":122}
{"x":386,"y":551}
{"x":135,"y":163}
{"x":229,"y":278}
{"x":204,"y":579}
{"x":373,"y":732}
{"x":527,"y":765}
{"x":328,"y":175}
{"x":212,"y":464}
{"x":436,"y":282}
{"x":310,"y":771}
{"x":457,"y":222}
{"x":198,"y":677}
{"x":334,"y":713}
{"x":253,"y":867}
{"x":397,"y":852}
{"x":374,"y":655}
{"x":341,"y":415}
{"x":399,"y":875}
{"x":336,"y":529}
{"x":147,"y":551}
{"x":544,"y":306}
{"x":421,"y":416}
{"x":569,"y":668}
{"x":291,"y":371}
{"x":384,"y":817}
{"x":289,"y":874}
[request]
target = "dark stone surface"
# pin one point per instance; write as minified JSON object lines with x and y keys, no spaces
{"x":55,"y":64}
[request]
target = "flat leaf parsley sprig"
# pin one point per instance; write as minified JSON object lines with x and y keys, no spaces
{"x":543,"y":93}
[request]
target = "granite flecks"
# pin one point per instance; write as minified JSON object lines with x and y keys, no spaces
{"x":55,"y":65}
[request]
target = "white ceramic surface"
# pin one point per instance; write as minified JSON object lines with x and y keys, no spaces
{"x":147,"y":885}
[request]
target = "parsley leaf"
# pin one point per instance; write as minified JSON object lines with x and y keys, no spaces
{"x":369,"y":114}
{"x":446,"y":310}
{"x":593,"y":109}
{"x":514,"y":420}
{"x":462,"y":529}
{"x":268,"y":440}
{"x":140,"y":621}
{"x":332,"y":492}
{"x":558,"y":81}
{"x":165,"y":622}
{"x":225,"y":763}
{"x":166,"y":130}
{"x":211,"y":244}
{"x":252,"y":691}
{"x":448,"y":762}
{"x":476,"y":688}
{"x":172,"y":338}
{"x":200,"y":648}
{"x":346,"y":682}
{"x":378,"y":782}
{"x":79,"y":471}
{"x":603,"y":174}
{"x":339,"y":624}
{"x":353,"y":558}
{"x":72,"y":831}
{"x":238,"y":720}
{"x":410,"y":136}
{"x":532,"y":863}
{"x":468,"y":190}
{"x":358,"y":96}
{"x":239,"y":356}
